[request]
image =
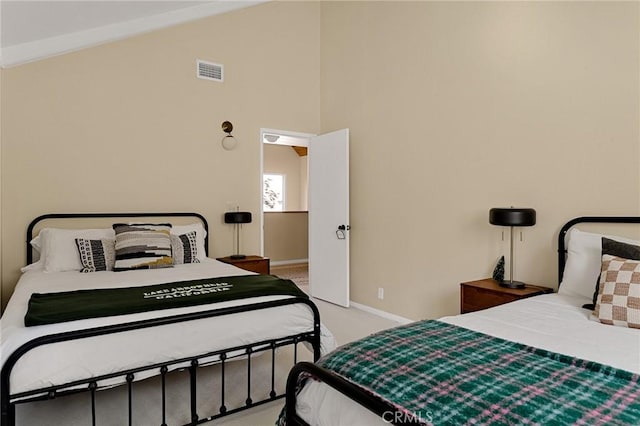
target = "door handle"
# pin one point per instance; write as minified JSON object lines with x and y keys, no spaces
{"x":341,"y":231}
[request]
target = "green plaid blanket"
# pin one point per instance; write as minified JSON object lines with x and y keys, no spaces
{"x":448,"y":375}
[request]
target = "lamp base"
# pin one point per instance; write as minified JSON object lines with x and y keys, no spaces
{"x":512,"y":284}
{"x":238,"y":256}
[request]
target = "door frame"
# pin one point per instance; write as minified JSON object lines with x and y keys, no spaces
{"x":291,"y":139}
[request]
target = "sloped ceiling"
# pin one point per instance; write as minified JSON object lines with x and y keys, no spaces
{"x":33,"y":30}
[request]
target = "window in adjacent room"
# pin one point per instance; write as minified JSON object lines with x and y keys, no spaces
{"x":273,"y":192}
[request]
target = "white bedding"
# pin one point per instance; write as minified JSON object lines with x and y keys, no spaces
{"x":66,"y":361}
{"x":553,"y":322}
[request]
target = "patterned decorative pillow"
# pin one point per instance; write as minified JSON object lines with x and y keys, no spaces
{"x":618,"y":249}
{"x":619,"y":299}
{"x":96,"y":255}
{"x":142,"y":246}
{"x":184,"y":248}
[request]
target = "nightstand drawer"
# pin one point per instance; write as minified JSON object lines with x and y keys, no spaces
{"x":475,"y":299}
{"x":486,"y":293}
{"x":258,"y":264}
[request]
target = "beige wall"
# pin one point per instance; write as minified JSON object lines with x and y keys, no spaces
{"x":282,"y":159}
{"x":286,"y":236}
{"x":454,"y":108}
{"x":127,"y":126}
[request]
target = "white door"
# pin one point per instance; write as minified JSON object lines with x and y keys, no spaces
{"x":329,"y":217}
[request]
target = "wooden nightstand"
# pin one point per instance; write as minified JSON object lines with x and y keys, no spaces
{"x":482,"y":294}
{"x":257,"y":264}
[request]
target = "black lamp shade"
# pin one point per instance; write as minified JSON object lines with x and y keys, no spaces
{"x":512,"y":216}
{"x":237,"y":217}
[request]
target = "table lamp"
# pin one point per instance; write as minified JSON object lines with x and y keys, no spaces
{"x":237,"y":218}
{"x":511,"y":217}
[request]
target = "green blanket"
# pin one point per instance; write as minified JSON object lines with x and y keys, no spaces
{"x":49,"y":308}
{"x":440,"y":374}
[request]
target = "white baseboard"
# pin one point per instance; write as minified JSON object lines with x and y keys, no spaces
{"x":378,"y":312}
{"x":288,"y":262}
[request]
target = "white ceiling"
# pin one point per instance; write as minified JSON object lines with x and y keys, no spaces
{"x":32,"y":30}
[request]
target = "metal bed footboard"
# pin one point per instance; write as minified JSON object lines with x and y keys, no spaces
{"x":383,"y":409}
{"x":8,"y":401}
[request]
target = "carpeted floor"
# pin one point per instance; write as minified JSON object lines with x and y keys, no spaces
{"x":298,"y":273}
{"x":346,"y":324}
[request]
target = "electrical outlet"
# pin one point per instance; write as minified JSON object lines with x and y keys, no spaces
{"x":380,"y":293}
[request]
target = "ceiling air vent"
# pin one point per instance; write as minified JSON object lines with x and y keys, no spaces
{"x":210,"y":71}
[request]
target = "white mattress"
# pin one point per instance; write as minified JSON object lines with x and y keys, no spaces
{"x":553,"y":322}
{"x":66,"y":361}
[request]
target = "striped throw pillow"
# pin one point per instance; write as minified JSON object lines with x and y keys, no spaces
{"x":142,"y":246}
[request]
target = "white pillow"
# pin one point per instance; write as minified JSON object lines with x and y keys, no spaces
{"x":58,"y":251}
{"x":200,"y":235}
{"x":59,"y":247}
{"x":36,"y":243}
{"x":584,"y":260}
{"x":38,"y":265}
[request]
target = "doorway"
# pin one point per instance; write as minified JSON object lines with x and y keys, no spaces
{"x":284,"y":192}
{"x":326,"y":226}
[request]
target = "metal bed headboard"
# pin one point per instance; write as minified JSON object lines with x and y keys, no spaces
{"x":48,"y":216}
{"x":562,"y":250}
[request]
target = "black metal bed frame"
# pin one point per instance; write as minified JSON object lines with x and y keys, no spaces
{"x":383,"y":408}
{"x":49,"y":216}
{"x":8,"y":401}
{"x":562,"y":250}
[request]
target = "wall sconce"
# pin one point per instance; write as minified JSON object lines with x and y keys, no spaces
{"x":228,"y":141}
